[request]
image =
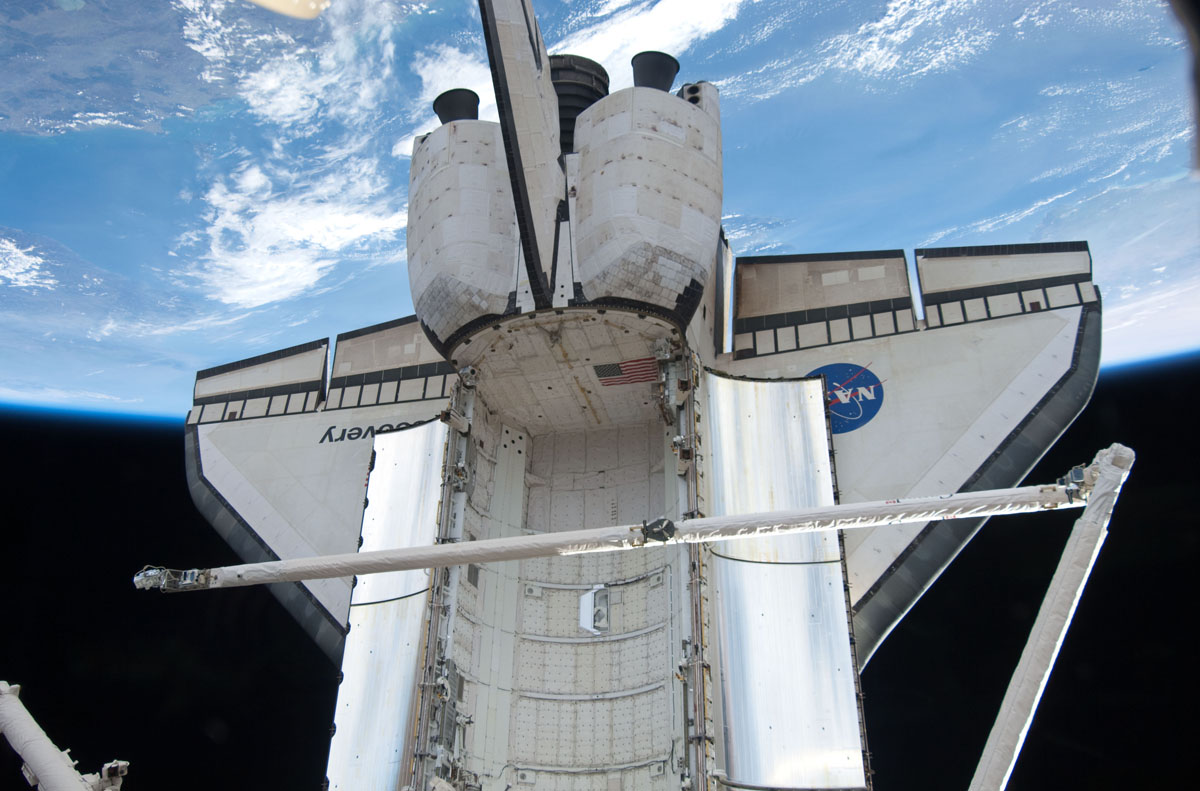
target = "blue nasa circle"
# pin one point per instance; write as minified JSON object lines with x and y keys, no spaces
{"x":853,"y":395}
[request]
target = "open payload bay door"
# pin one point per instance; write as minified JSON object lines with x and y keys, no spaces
{"x":278,"y":451}
{"x":788,"y":709}
{"x":967,"y":398}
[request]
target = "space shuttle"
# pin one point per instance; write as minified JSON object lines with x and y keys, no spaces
{"x":588,"y":350}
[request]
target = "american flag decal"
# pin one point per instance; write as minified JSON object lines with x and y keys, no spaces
{"x":628,"y":372}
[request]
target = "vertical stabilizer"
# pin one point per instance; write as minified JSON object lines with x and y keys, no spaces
{"x":528,"y":108}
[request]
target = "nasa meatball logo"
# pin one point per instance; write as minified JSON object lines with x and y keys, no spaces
{"x":853,"y":395}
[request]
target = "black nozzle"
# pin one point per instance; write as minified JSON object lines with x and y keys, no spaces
{"x":654,"y":70}
{"x":459,"y":104}
{"x":579,"y":83}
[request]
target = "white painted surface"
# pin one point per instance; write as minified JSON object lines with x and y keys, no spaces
{"x":1060,"y":296}
{"x":950,"y":396}
{"x":299,"y":480}
{"x":486,"y":611}
{"x":567,"y":277}
{"x":1003,"y":305}
{"x":955,"y":412}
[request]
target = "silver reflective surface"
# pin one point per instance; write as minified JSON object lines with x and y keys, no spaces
{"x":387,"y":611}
{"x":790,"y":714}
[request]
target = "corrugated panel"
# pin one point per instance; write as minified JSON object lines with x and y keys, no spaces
{"x":787,"y":674}
{"x":381,"y":660}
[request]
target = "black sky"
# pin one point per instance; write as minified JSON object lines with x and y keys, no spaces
{"x":224,"y":690}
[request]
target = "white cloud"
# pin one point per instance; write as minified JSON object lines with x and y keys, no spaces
{"x":124,"y":65}
{"x":752,"y":235}
{"x":285,"y":91}
{"x":1100,"y":142}
{"x":95,"y":118}
{"x":264,"y":245}
{"x":252,"y":180}
{"x":778,"y":18}
{"x":57,"y":395}
{"x":106,"y":328}
{"x":342,"y":74}
{"x":989,"y":224}
{"x":891,"y":44}
{"x":910,"y":39}
{"x":442,"y":68}
{"x":221,"y":33}
{"x":610,"y":7}
{"x":1151,"y":22}
{"x":668,"y":25}
{"x":404,"y":146}
{"x":610,"y":34}
{"x":194,"y":325}
{"x":21,"y":267}
{"x":166,"y":324}
{"x":1036,"y":15}
{"x":319,"y":196}
{"x":1158,"y":324}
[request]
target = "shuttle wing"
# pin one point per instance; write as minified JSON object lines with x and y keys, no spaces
{"x":968,"y":398}
{"x":278,"y":445}
{"x":529,"y":122}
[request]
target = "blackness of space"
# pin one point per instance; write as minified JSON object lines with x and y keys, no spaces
{"x":223,"y":690}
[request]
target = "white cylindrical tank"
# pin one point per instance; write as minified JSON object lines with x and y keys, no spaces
{"x":648,"y":205}
{"x":462,"y":233}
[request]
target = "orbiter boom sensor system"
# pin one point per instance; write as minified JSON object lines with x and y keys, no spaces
{"x":588,"y":351}
{"x":1072,"y":491}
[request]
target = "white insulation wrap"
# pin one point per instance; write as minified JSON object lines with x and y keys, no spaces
{"x":54,"y":771}
{"x":611,"y":539}
{"x":1053,"y":619}
{"x":387,"y":611}
{"x":789,"y":707}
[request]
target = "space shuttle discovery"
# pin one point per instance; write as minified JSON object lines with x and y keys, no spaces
{"x":587,"y":351}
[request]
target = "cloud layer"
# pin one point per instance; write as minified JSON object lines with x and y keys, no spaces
{"x":21,"y":267}
{"x":322,"y":196}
